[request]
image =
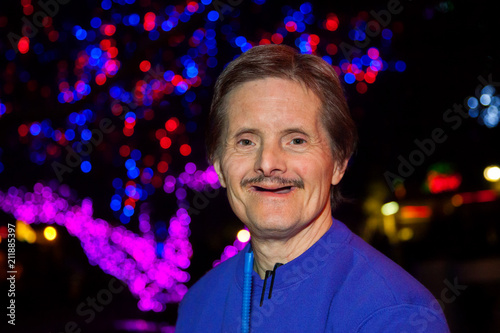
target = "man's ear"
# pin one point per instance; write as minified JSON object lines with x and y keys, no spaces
{"x":339,"y":171}
{"x":219,"y":173}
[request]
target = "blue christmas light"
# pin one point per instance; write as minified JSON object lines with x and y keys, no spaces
{"x":86,"y":166}
{"x":213,"y":16}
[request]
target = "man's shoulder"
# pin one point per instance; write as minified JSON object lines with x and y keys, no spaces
{"x":398,"y":280}
{"x":221,"y":276}
{"x":206,"y":297}
{"x":386,"y":293}
{"x":384,"y":276}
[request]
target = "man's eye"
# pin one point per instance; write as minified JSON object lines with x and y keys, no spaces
{"x":298,"y":141}
{"x":245,"y":142}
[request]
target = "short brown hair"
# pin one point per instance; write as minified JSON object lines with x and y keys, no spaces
{"x":284,"y":62}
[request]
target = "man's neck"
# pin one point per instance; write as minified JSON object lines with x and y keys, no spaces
{"x":268,"y":252}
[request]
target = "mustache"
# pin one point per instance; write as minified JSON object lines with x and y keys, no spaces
{"x":272,"y":180}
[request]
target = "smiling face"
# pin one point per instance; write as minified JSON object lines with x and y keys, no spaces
{"x":277,"y":163}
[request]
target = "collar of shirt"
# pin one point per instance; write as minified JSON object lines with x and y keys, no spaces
{"x":301,"y":267}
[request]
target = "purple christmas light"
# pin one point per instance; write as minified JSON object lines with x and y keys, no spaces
{"x":117,"y":251}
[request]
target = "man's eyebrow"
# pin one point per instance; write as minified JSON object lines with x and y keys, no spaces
{"x":294,"y":130}
{"x":248,"y":130}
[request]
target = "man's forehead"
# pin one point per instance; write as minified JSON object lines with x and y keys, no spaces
{"x":283,"y":84}
{"x":272,"y":100}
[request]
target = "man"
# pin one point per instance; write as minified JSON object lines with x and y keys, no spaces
{"x":280,"y":136}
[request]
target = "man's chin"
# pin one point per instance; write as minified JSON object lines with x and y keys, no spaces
{"x":272,"y":225}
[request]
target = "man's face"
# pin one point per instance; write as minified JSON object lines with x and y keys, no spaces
{"x":277,"y":163}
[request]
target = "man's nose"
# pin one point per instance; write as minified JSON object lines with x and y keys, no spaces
{"x":271,"y":159}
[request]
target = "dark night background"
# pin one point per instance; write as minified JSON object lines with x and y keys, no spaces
{"x":448,"y":48}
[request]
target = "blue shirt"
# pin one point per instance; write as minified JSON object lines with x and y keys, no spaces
{"x":340,"y":284}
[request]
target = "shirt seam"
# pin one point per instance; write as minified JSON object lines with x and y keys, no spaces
{"x":395,"y":306}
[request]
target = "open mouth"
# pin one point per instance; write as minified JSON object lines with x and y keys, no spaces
{"x":277,"y":190}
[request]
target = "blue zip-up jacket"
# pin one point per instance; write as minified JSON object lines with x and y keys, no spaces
{"x":340,"y":284}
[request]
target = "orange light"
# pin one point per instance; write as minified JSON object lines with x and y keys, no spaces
{"x":24,"y":232}
{"x":415,"y":212}
{"x":457,"y":200}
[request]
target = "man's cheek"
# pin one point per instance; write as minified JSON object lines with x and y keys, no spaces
{"x":235,"y":201}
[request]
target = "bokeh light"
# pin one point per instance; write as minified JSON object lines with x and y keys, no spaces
{"x":390,"y":208}
{"x":50,"y":233}
{"x":492,"y":173}
{"x":243,"y":235}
